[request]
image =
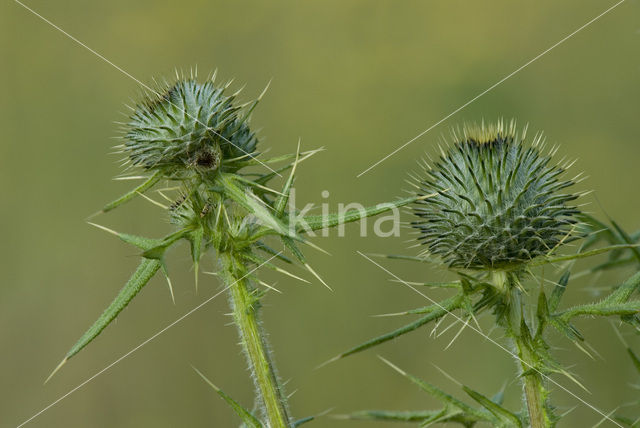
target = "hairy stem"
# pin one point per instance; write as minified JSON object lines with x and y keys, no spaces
{"x":533,"y":386}
{"x":245,"y":304}
{"x":534,"y":390}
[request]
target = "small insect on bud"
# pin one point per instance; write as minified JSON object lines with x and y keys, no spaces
{"x":186,"y":127}
{"x":499,"y":202}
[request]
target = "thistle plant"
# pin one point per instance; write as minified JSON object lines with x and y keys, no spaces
{"x":503,"y":208}
{"x":196,"y":140}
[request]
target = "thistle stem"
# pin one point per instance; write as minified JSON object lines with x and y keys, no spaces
{"x":245,"y":304}
{"x":530,"y":377}
{"x":534,"y":390}
{"x":516,"y":326}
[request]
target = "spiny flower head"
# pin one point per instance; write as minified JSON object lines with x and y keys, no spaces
{"x":189,"y":127}
{"x":499,"y":203}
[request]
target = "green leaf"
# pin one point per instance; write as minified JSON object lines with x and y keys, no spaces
{"x":609,"y":265}
{"x":145,"y":271}
{"x":629,"y":422}
{"x":303,"y":421}
{"x":627,"y":239}
{"x":255,"y":161}
{"x":505,"y":416}
{"x":244,"y":414}
{"x":498,"y":398}
{"x":558,"y":291}
{"x":385,"y":415}
{"x":157,"y":251}
{"x":591,"y":253}
{"x":438,"y":311}
{"x":152,"y":248}
{"x":267,"y":249}
{"x":635,"y":359}
{"x":567,"y":329}
{"x":139,"y":279}
{"x":624,"y":291}
{"x":137,"y":241}
{"x":291,"y":246}
{"x":259,"y":261}
{"x":440,"y":394}
{"x":281,"y":203}
{"x":420,"y":259}
{"x":315,"y":222}
{"x":427,"y":417}
{"x":196,"y":241}
{"x":598,"y":229}
{"x":128,"y":196}
{"x":253,"y":205}
{"x":603,"y":308}
{"x":542,"y":312}
{"x":449,"y":284}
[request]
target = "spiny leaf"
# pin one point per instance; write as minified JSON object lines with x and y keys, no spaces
{"x":196,"y":241}
{"x":420,"y":259}
{"x":281,"y":203}
{"x":417,"y":311}
{"x":598,"y":230}
{"x":152,"y":248}
{"x":157,"y":252}
{"x":303,"y":421}
{"x":542,"y":312}
{"x":607,"y":265}
{"x":440,"y":310}
{"x":635,"y":359}
{"x":252,"y":204}
{"x":128,"y":196}
{"x":293,"y":247}
{"x":627,"y":239}
{"x":624,"y":291}
{"x":315,"y":222}
{"x":601,"y":309}
{"x":565,"y":328}
{"x":165,"y":271}
{"x":267,"y":249}
{"x":591,"y":253}
{"x":257,"y":187}
{"x":450,"y":284}
{"x":263,"y":262}
{"x":318,"y":277}
{"x":499,"y":396}
{"x":427,"y":417}
{"x":244,"y":414}
{"x":265,"y":178}
{"x":254,"y":161}
{"x":137,"y":241}
{"x":438,"y":393}
{"x":629,"y":422}
{"x":386,"y":415}
{"x":558,"y":291}
{"x":505,"y":416}
{"x":139,"y":279}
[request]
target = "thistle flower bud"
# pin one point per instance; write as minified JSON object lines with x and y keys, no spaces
{"x":189,"y":126}
{"x":499,"y":203}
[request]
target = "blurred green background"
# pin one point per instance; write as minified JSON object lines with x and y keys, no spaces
{"x":357,"y":77}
